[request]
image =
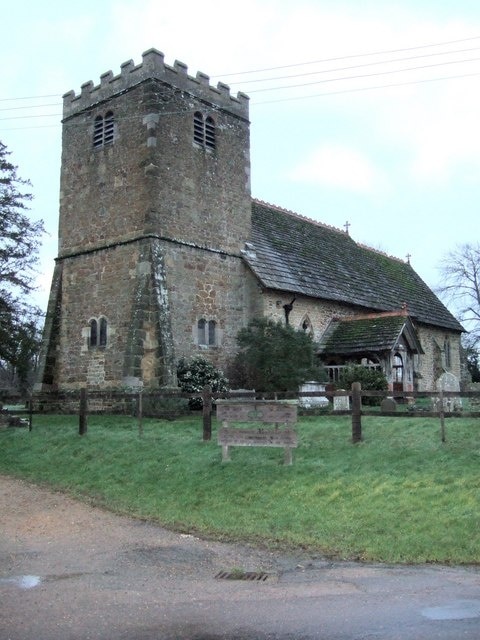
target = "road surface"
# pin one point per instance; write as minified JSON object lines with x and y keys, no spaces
{"x":69,"y":571}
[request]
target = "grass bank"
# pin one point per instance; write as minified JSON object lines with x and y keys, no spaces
{"x":400,"y":496}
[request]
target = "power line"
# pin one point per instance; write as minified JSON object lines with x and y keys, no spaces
{"x":51,"y":95}
{"x":291,"y":99}
{"x":30,"y":106}
{"x":310,"y":73}
{"x":289,"y":87}
{"x":299,"y":64}
{"x":357,"y":55}
{"x":40,"y":115}
{"x":359,"y":66}
{"x":381,"y":86}
{"x":366,"y":75}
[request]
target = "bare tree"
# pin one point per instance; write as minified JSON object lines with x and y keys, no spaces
{"x":460,"y":271}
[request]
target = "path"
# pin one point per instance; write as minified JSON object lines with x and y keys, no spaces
{"x":70,"y":571}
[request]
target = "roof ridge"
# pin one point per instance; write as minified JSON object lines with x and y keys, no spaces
{"x":318,"y":223}
{"x":403,"y":312}
{"x":300,"y":216}
{"x":380,"y":252}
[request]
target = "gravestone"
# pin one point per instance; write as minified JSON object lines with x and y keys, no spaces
{"x":388,"y":405}
{"x":312,"y":402}
{"x":341,"y":403}
{"x":448,"y":382}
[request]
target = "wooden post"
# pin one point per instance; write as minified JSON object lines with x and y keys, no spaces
{"x":140,"y":414}
{"x":30,"y":414}
{"x":207,"y":412}
{"x":82,"y":423}
{"x":356,"y":412}
{"x":442,"y":416}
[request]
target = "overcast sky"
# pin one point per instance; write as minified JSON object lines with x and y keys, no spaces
{"x":366,"y":112}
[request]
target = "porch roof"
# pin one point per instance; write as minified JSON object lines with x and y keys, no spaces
{"x":373,"y":333}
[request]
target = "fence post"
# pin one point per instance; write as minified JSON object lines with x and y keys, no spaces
{"x":140,"y":414}
{"x":82,"y":423}
{"x":207,"y":412}
{"x":30,"y":413}
{"x":356,"y":412}
{"x":442,"y":416}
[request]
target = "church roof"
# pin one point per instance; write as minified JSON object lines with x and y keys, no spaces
{"x":295,"y":254}
{"x":373,"y":333}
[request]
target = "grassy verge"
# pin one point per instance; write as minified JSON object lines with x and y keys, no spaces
{"x":400,"y":496}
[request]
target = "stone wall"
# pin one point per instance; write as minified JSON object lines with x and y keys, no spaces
{"x":317,"y":312}
{"x":212,"y":286}
{"x":432,"y":363}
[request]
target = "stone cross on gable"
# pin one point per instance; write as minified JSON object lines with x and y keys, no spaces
{"x":347,"y":227}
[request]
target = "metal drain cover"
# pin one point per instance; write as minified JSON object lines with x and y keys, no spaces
{"x":252,"y":576}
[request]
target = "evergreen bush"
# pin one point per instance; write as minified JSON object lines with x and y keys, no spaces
{"x":370,"y":379}
{"x":194,"y":374}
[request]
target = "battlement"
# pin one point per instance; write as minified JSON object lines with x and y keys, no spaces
{"x":153,"y":66}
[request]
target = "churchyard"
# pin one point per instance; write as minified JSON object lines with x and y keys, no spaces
{"x":400,"y":495}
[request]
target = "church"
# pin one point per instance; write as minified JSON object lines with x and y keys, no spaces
{"x":163,"y":253}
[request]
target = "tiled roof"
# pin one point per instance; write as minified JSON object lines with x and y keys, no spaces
{"x":374,"y":333}
{"x":298,"y":255}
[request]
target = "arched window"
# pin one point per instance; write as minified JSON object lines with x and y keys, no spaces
{"x":93,"y":338}
{"x":98,"y":333}
{"x":204,"y":130}
{"x":103,"y":130}
{"x":98,"y":132}
{"x":210,"y":133}
{"x":198,"y":127}
{"x":206,"y":332}
{"x":212,"y":325}
{"x":103,"y":332}
{"x":306,"y":325}
{"x":397,"y":368}
{"x":201,"y":331}
{"x":447,"y":353}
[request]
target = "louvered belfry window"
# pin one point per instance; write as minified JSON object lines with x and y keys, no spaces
{"x":210,"y":133}
{"x":103,"y":130}
{"x":198,"y":128}
{"x":204,"y":130}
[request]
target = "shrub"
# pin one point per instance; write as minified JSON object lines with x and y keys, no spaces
{"x":370,"y":379}
{"x":275,"y":357}
{"x":194,"y":374}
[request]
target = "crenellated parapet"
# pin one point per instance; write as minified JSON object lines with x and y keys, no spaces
{"x":153,"y":66}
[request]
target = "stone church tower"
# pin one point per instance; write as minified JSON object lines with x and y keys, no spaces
{"x":155,"y":209}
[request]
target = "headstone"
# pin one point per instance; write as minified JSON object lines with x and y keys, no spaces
{"x":388,"y":405}
{"x":448,"y":382}
{"x":312,"y":402}
{"x":341,"y":403}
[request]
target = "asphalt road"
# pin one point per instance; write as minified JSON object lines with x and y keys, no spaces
{"x":70,"y":571}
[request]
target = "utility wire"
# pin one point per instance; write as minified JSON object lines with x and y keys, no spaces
{"x":359,"y":66}
{"x":300,"y":64}
{"x":376,"y":87}
{"x":299,"y":75}
{"x":357,"y":55}
{"x":288,"y":87}
{"x":30,"y":106}
{"x":295,"y":98}
{"x":51,"y":95}
{"x":366,"y":75}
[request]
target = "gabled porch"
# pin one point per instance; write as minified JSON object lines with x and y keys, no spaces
{"x":383,"y":341}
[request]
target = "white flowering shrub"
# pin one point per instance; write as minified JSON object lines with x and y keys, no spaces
{"x":194,"y":374}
